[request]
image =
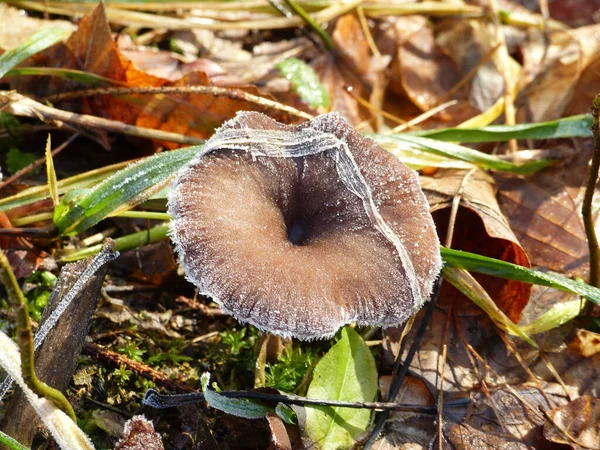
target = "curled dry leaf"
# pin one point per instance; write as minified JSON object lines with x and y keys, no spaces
{"x":576,"y":424}
{"x":279,"y":436}
{"x":480,"y":228}
{"x":468,"y":43}
{"x":405,"y":427}
{"x":543,"y":210}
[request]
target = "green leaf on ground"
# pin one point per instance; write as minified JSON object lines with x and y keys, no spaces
{"x":347,"y":372}
{"x":305,"y":82}
{"x":574,"y":126}
{"x":234,"y":406}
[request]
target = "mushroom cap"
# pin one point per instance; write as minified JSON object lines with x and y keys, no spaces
{"x":300,"y":230}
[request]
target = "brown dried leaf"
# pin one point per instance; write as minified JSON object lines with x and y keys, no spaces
{"x":140,"y":435}
{"x":576,"y":424}
{"x":279,"y":436}
{"x":350,"y":72}
{"x":467,"y":43}
{"x":480,"y":228}
{"x":409,"y":427}
{"x":351,"y":44}
{"x":151,"y":264}
{"x":92,"y":48}
{"x":464,"y":437}
{"x":553,"y":74}
{"x":543,"y":210}
{"x":586,"y":343}
{"x":423,"y":72}
{"x":574,"y":13}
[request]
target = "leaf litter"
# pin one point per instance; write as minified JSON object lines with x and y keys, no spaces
{"x":516,"y":394}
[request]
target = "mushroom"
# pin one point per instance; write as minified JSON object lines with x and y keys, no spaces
{"x":300,"y":230}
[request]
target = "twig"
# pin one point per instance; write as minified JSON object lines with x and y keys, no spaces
{"x":25,"y":340}
{"x":232,"y":93}
{"x":156,"y":400}
{"x":19,"y":105}
{"x":397,"y":383}
{"x":140,"y":368}
{"x":586,"y":209}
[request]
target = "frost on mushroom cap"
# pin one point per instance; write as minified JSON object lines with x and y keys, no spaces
{"x":300,"y":230}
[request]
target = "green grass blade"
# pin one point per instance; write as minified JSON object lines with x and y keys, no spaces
{"x":37,"y":193}
{"x":36,"y":43}
{"x":123,"y":190}
{"x":574,"y":126}
{"x":10,"y":442}
{"x":134,"y":240}
{"x":86,"y":78}
{"x":454,"y":151}
{"x":557,"y":315}
{"x":503,"y":269}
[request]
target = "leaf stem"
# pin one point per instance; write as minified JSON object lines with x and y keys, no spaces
{"x":25,"y":340}
{"x":586,"y":209}
{"x":158,"y":233}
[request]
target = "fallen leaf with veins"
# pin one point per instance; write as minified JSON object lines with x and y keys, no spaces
{"x":576,"y":424}
{"x":551,"y":75}
{"x":544,"y":212}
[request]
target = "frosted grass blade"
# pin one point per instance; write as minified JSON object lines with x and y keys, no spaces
{"x":36,"y":43}
{"x":503,"y":269}
{"x":454,"y":151}
{"x":125,"y":189}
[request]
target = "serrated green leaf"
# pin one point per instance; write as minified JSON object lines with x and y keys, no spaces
{"x":234,"y":406}
{"x":305,"y":82}
{"x":347,"y":372}
{"x":574,"y":126}
{"x":123,"y":190}
{"x":36,"y":43}
{"x":394,"y":142}
{"x":503,"y":269}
